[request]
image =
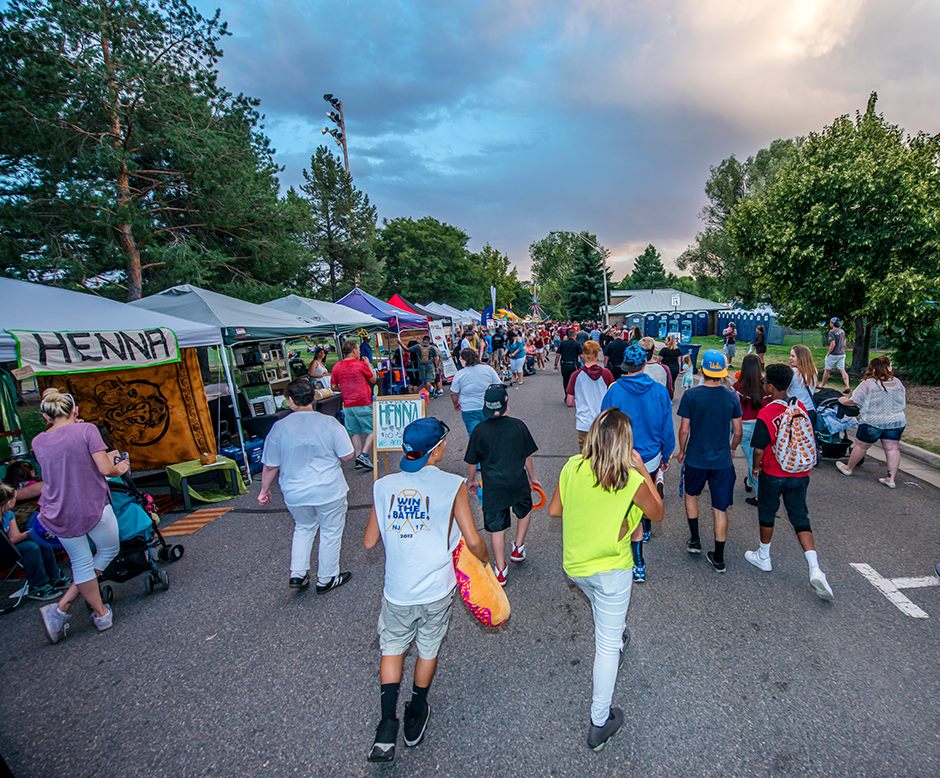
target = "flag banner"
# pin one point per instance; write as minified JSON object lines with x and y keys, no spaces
{"x":61,"y":353}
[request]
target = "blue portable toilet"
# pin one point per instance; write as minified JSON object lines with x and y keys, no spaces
{"x":687,"y":322}
{"x":674,"y":319}
{"x":722,"y":321}
{"x":663,"y":326}
{"x":636,"y":320}
{"x":701,"y":323}
{"x":651,"y":325}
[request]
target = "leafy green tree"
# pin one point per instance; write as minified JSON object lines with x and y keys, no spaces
{"x":728,"y":184}
{"x":584,"y":294}
{"x":340,"y":235}
{"x":494,"y":269}
{"x":124,"y":163}
{"x":426,"y":259}
{"x":849,"y":227}
{"x":648,"y":271}
{"x":553,"y":260}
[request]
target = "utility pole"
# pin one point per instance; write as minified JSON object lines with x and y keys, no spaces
{"x":339,"y":131}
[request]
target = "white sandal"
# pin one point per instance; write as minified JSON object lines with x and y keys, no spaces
{"x":888,"y":483}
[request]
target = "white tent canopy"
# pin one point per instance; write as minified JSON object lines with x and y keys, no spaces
{"x":329,"y":316}
{"x":238,"y":319}
{"x":458,"y":316}
{"x":40,"y":308}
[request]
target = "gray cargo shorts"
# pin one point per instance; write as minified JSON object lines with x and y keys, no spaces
{"x":425,"y":624}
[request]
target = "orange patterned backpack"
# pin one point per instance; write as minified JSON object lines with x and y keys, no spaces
{"x":795,"y":444}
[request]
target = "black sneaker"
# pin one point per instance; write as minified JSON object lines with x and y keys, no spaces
{"x":334,"y":583}
{"x":719,"y":566}
{"x":626,"y":645}
{"x":416,"y":723}
{"x":598,"y":736}
{"x":694,"y":546}
{"x":751,"y":501}
{"x":383,"y":747}
{"x":296,"y":582}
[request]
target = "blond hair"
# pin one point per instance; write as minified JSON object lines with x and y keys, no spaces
{"x":7,"y":493}
{"x":647,"y":343}
{"x":591,"y":349}
{"x":56,"y":403}
{"x":608,"y":449}
{"x":670,"y":341}
{"x":805,"y":366}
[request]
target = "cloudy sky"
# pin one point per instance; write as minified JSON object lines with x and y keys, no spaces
{"x":511,"y":118}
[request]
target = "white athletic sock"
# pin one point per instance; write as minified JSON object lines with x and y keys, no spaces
{"x":811,"y":560}
{"x":764,"y":551}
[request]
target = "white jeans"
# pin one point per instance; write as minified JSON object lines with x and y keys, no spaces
{"x":107,"y":544}
{"x":330,"y":519}
{"x":609,"y":594}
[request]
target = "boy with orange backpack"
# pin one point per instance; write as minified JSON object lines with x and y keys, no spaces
{"x":784,"y":454}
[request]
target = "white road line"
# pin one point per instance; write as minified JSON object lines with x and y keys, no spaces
{"x":916,"y":583}
{"x":890,"y":590}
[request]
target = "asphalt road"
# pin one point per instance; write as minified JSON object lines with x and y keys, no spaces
{"x":231,"y":673}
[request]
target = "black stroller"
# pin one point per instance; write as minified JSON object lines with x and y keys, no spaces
{"x":832,"y":421}
{"x":529,"y":367}
{"x":142,"y":544}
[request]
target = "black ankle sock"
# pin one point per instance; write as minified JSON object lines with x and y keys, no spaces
{"x":693,"y":528}
{"x":389,"y":700}
{"x":719,"y":551}
{"x":419,"y":696}
{"x":647,"y":524}
{"x":637,"y":547}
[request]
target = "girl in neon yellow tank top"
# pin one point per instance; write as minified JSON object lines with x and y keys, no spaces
{"x":602,"y":494}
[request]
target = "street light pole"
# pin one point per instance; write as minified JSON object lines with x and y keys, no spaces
{"x":339,"y":132}
{"x":605,"y":253}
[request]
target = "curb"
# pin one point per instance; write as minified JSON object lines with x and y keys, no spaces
{"x":921,"y":455}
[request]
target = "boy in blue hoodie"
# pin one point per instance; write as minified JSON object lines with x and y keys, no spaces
{"x":647,"y":404}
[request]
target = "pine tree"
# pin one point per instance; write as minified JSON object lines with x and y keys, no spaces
{"x":341,"y":233}
{"x":584,"y":294}
{"x":648,"y":271}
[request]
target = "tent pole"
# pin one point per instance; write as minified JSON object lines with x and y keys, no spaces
{"x":233,"y":393}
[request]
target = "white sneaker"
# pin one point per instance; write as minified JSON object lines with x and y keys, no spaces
{"x":755,"y":559}
{"x":54,"y":622}
{"x":817,"y":579}
{"x":103,"y":622}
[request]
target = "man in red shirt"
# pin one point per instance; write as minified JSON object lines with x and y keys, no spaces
{"x":774,"y":482}
{"x":353,"y":378}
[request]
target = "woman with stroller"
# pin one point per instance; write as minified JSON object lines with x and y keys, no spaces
{"x":75,"y":506}
{"x":881,"y":399}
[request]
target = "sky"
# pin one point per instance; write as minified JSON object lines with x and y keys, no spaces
{"x":512,"y":118}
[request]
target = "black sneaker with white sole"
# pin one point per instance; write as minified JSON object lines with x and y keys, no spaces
{"x":599,"y":736}
{"x":416,"y":723}
{"x":383,"y":747}
{"x":719,"y":566}
{"x":694,"y":546}
{"x":298,"y":582}
{"x":334,"y":583}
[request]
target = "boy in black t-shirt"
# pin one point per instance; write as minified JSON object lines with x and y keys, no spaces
{"x":503,"y":447}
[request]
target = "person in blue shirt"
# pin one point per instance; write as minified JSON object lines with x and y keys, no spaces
{"x":42,"y":572}
{"x":516,"y":356}
{"x":365,"y":350}
{"x":647,"y":404}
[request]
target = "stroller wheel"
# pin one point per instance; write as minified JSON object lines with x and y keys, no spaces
{"x":176,"y":553}
{"x":164,"y":580}
{"x":163,"y":553}
{"x":149,"y":582}
{"x":107,"y":594}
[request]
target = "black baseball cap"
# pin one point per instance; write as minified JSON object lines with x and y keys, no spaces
{"x":495,"y":401}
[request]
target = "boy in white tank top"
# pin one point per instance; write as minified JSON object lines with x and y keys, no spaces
{"x":413,"y":514}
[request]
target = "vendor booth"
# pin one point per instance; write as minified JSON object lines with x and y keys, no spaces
{"x":133,"y":372}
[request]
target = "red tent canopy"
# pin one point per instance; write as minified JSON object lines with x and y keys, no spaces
{"x":400,"y":302}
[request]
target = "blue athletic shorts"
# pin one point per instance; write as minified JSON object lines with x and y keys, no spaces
{"x":720,"y":484}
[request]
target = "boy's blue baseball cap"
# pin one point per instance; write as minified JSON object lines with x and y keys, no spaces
{"x":633,"y":356}
{"x":714,"y":364}
{"x":418,"y":440}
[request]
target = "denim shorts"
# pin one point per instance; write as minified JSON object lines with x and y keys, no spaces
{"x":868,"y":434}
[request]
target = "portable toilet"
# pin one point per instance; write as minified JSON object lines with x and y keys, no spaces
{"x":701,"y":323}
{"x":636,"y":320}
{"x":651,"y":326}
{"x":674,"y":319}
{"x":663,"y":326}
{"x":687,"y":326}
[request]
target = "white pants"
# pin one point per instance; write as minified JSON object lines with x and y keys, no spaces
{"x":609,"y":594}
{"x":330,"y":519}
{"x":107,"y":544}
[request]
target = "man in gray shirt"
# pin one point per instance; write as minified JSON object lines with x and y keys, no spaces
{"x":835,"y":357}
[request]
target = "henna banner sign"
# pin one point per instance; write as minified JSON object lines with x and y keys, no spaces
{"x":61,"y":353}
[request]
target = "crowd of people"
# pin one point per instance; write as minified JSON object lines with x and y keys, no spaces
{"x":625,"y":390}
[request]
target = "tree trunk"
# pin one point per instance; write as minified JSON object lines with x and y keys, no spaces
{"x":861,"y":347}
{"x":124,"y":197}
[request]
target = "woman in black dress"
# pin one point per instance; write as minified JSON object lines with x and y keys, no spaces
{"x":670,"y":355}
{"x":760,"y":343}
